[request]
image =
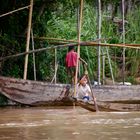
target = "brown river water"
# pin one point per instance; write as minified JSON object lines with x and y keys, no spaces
{"x":67,"y":123}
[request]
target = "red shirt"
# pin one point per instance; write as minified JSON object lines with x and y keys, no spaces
{"x":71,"y":59}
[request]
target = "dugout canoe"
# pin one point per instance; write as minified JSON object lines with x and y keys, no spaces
{"x":35,"y":93}
{"x":109,"y":106}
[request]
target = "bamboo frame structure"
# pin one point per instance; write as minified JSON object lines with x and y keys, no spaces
{"x":74,"y":43}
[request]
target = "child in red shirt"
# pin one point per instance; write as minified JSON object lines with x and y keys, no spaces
{"x":71,"y":58}
{"x":71,"y":62}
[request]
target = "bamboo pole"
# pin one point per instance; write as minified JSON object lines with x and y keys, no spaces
{"x":99,"y":37}
{"x":90,"y":44}
{"x":28,"y":40}
{"x":11,"y":12}
{"x":109,"y":61}
{"x":78,"y":23}
{"x":74,"y":41}
{"x":33,"y":55}
{"x":103,"y":66}
{"x":78,"y":53}
{"x":55,"y":74}
{"x":56,"y":64}
{"x":56,"y":39}
{"x":78,"y":48}
{"x":136,"y":46}
{"x":63,"y":40}
{"x":123,"y":37}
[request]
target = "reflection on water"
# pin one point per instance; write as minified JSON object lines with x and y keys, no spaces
{"x":67,"y":123}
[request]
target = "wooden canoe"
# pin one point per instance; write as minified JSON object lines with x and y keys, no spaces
{"x":35,"y":93}
{"x":32,"y":93}
{"x":109,"y":106}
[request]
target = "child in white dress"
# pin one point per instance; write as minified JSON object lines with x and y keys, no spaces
{"x":83,"y":89}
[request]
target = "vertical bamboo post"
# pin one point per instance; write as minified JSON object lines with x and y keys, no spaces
{"x":123,"y":35}
{"x":28,"y":40}
{"x":78,"y":20}
{"x":99,"y":41}
{"x":110,"y":66}
{"x":78,"y":48}
{"x":56,"y":65}
{"x":33,"y":54}
{"x":103,"y":66}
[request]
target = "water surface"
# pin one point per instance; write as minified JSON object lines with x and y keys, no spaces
{"x":67,"y":123}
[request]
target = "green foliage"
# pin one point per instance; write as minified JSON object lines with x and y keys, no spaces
{"x":132,"y":35}
{"x":58,"y":19}
{"x":131,"y":79}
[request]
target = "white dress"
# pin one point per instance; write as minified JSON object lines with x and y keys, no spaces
{"x":83,"y":91}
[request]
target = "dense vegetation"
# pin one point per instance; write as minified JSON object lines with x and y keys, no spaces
{"x":58,"y":19}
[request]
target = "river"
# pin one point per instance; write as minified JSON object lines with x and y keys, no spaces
{"x":67,"y":123}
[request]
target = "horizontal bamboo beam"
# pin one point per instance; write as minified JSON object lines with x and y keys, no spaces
{"x":55,"y":39}
{"x":134,"y":46}
{"x":63,"y":40}
{"x":11,"y":12}
{"x":93,"y":44}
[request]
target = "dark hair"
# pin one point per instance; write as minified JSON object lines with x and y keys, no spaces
{"x":71,"y":48}
{"x":79,"y":83}
{"x":82,"y":77}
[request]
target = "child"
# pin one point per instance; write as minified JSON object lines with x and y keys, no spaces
{"x":83,"y":89}
{"x":71,"y":63}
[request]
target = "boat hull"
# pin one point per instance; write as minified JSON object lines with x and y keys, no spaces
{"x":35,"y":93}
{"x":30,"y":92}
{"x":108,"y":107}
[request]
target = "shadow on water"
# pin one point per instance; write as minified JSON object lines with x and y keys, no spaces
{"x":67,"y":123}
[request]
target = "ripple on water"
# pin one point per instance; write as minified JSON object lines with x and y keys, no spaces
{"x":27,"y":124}
{"x":138,"y":133}
{"x":76,"y":133}
{"x":132,"y":122}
